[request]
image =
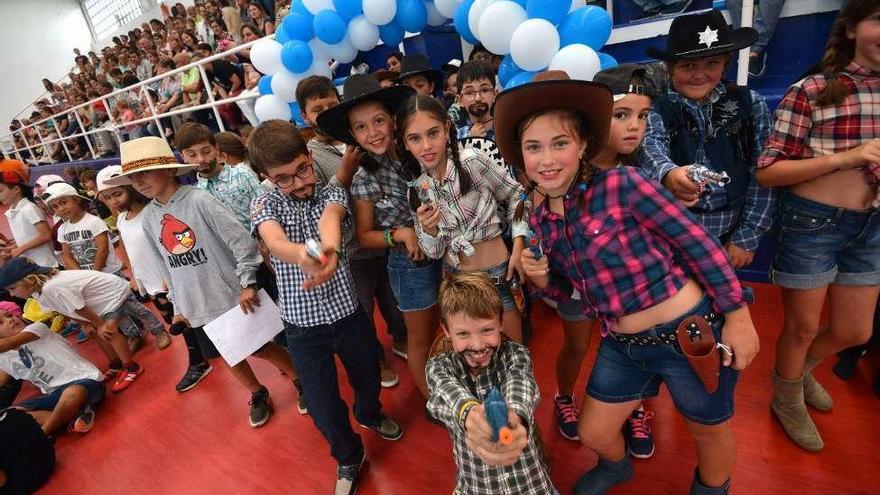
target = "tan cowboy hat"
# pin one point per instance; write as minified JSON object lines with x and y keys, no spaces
{"x":551,"y":90}
{"x":145,"y":154}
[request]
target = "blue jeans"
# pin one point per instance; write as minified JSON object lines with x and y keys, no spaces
{"x":765,"y":23}
{"x":312,"y":350}
{"x":94,"y":393}
{"x":415,"y":283}
{"x":131,"y":310}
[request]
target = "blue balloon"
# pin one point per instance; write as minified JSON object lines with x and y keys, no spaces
{"x":522,"y":3}
{"x":520,"y":79}
{"x":461,"y":22}
{"x":552,"y":10}
{"x":296,"y":113}
{"x":296,"y":56}
{"x":507,"y":69}
{"x":349,"y":9}
{"x":281,"y":36}
{"x":588,"y":25}
{"x":607,"y":61}
{"x":330,"y":27}
{"x":297,"y":6}
{"x":411,"y":15}
{"x":298,"y":27}
{"x":264,"y":85}
{"x":391,"y":34}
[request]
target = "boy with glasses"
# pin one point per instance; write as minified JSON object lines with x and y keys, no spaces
{"x":476,"y":93}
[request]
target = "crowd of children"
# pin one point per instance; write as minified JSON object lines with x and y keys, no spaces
{"x":620,"y":203}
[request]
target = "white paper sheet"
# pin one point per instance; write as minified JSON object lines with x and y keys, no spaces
{"x":237,"y":335}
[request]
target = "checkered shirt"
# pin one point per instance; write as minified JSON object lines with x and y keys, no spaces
{"x":386,"y":189}
{"x":746,"y":224}
{"x":327,"y":159}
{"x":328,"y":302}
{"x":451,"y":386}
{"x":805,"y":130}
{"x":618,"y":251}
{"x":235,"y":187}
{"x":465,"y":131}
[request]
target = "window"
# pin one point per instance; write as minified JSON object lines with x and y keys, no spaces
{"x":106,"y":16}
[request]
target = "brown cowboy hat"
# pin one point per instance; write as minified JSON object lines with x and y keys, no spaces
{"x":550,"y":90}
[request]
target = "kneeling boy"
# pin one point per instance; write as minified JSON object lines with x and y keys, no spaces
{"x":459,"y":380}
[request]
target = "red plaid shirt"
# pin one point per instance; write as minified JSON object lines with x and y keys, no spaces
{"x":619,"y":251}
{"x":805,"y":130}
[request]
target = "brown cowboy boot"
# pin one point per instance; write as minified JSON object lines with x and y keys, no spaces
{"x":789,"y":408}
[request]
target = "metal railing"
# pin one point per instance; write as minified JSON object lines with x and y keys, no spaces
{"x":8,"y":141}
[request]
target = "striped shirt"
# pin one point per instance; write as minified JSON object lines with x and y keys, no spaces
{"x":471,"y":218}
{"x":619,"y":251}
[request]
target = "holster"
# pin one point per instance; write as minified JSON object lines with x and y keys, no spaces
{"x":698,"y":344}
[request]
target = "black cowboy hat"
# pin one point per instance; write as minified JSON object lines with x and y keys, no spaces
{"x":359,"y":89}
{"x":702,"y":35}
{"x":417,"y":64}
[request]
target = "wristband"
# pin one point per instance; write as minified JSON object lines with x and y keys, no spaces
{"x":389,"y":237}
{"x":464,"y":409}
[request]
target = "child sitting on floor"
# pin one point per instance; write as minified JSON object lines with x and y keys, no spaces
{"x":470,"y":314}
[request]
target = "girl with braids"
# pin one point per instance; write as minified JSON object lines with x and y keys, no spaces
{"x":383,"y":218}
{"x":824,"y":150}
{"x":640,"y":263}
{"x":456,"y":197}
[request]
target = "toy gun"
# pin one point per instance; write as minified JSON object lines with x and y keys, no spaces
{"x":313,"y":249}
{"x":425,"y":195}
{"x":534,"y":244}
{"x":703,"y":177}
{"x":496,"y":415}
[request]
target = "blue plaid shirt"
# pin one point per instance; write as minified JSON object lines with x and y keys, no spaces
{"x":334,"y":299}
{"x":746,"y":224}
{"x":465,"y":131}
{"x":235,"y":187}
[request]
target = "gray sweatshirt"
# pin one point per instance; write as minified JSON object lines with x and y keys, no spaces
{"x":208,"y":256}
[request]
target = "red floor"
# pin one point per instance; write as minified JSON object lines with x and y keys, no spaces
{"x":152,"y":440}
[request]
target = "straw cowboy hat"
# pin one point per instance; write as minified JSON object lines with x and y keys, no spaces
{"x":145,"y":154}
{"x":359,"y":89}
{"x":551,"y":90}
{"x":702,"y":35}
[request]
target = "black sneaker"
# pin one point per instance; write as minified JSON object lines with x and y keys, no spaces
{"x":387,"y":429}
{"x":348,"y":478}
{"x":637,"y":432}
{"x":194,"y":374}
{"x":758,"y":65}
{"x":261,"y":408}
{"x":301,"y":404}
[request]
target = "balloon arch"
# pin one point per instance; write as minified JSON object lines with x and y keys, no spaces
{"x":531,"y":35}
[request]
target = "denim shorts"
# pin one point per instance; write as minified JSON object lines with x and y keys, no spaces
{"x":626,"y":372}
{"x":571,"y":310}
{"x":818,"y":245}
{"x":416,"y":284}
{"x":94,"y":391}
{"x":497,"y":273}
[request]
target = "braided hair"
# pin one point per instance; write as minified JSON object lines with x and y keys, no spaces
{"x":579,"y":128}
{"x":432,"y":106}
{"x":840,"y":50}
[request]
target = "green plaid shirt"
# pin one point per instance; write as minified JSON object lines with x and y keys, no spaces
{"x":235,"y":187}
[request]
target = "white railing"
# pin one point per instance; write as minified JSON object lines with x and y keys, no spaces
{"x":8,"y":142}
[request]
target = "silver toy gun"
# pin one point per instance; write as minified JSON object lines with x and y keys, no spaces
{"x":703,"y":176}
{"x":313,"y":249}
{"x":426,"y":195}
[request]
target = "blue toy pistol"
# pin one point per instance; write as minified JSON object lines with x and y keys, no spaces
{"x":496,"y":415}
{"x":534,"y":244}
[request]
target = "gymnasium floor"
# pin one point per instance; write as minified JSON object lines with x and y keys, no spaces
{"x":152,"y":440}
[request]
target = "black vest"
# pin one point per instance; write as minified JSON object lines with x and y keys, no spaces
{"x":728,"y":142}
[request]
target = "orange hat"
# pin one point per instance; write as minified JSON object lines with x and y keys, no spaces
{"x":16,"y":167}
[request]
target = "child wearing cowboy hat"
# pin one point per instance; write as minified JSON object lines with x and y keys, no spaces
{"x":610,"y":235}
{"x":209,"y":262}
{"x":417,"y":73}
{"x":705,"y":121}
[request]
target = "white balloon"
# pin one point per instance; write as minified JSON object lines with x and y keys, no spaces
{"x":284,"y":84}
{"x":435,"y":17}
{"x":268,"y":107}
{"x":576,"y":4}
{"x":315,"y":6}
{"x":380,"y":12}
{"x":266,"y":56}
{"x":475,"y":14}
{"x":580,"y":62}
{"x":320,"y":68}
{"x":319,"y":50}
{"x":363,"y":34}
{"x":447,"y":7}
{"x":343,"y":51}
{"x":498,"y":23}
{"x":533,"y":44}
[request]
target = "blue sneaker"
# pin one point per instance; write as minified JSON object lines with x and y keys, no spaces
{"x":82,"y":336}
{"x":566,"y":417}
{"x":71,"y":328}
{"x":638,"y":434}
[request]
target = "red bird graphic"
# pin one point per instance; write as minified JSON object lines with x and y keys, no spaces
{"x":176,"y":236}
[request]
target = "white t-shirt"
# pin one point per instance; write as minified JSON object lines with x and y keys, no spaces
{"x":48,"y":362}
{"x":80,"y":238}
{"x":146,"y":267}
{"x":23,"y":219}
{"x":70,"y":290}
